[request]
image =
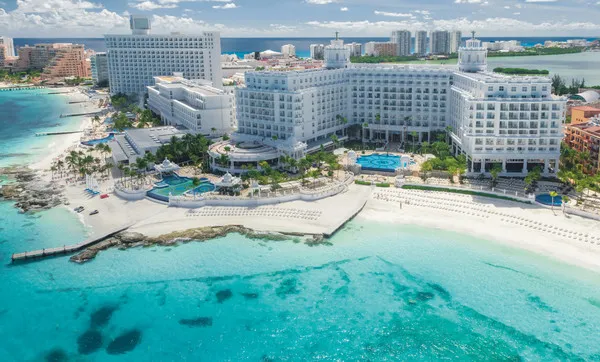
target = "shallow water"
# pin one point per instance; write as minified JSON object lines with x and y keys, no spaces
{"x":380,"y":292}
{"x":24,"y":113}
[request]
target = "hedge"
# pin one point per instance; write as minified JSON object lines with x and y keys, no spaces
{"x":382,"y":184}
{"x":464,"y":192}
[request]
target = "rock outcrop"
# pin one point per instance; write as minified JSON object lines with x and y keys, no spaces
{"x":128,"y":239}
{"x":29,"y":191}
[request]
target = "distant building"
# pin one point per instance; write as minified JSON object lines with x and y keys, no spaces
{"x":271,"y":54}
{"x":381,"y":49}
{"x":57,"y":60}
{"x":583,"y":114}
{"x":288,"y":50}
{"x":439,"y":42}
{"x":504,"y":45}
{"x":195,"y":105}
{"x":355,"y":49}
{"x":135,"y":59}
{"x":421,"y":43}
{"x":455,"y":41}
{"x":99,"y":65}
{"x":7,"y":49}
{"x":317,"y":51}
{"x":585,"y":137}
{"x":402,"y":39}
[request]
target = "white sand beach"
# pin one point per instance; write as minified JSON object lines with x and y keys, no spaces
{"x":61,"y":143}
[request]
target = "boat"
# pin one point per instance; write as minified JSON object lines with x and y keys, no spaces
{"x":79,"y":209}
{"x":94,"y":212}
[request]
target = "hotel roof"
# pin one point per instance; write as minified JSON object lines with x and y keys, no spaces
{"x":586,"y":109}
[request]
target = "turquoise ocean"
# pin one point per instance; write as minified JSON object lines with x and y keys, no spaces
{"x":379,"y":292}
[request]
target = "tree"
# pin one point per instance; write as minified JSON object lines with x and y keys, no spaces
{"x":495,"y":171}
{"x":553,"y":194}
{"x":335,"y":140}
{"x":413,"y":136}
{"x":448,"y":130}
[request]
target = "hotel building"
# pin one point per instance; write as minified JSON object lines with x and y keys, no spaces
{"x":402,"y":40}
{"x":288,"y":50}
{"x":355,"y":49}
{"x":585,"y":137}
{"x":99,"y":64}
{"x":421,"y":42}
{"x":317,"y":51}
{"x":135,"y":59}
{"x":455,"y":41}
{"x":58,"y":60}
{"x":381,"y":49}
{"x":195,"y":105}
{"x":439,"y":42}
{"x":7,"y":49}
{"x":495,"y":119}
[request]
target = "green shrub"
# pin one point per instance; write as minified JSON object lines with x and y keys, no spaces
{"x":382,"y":184}
{"x":361,"y":182}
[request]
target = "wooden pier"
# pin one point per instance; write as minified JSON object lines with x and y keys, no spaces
{"x":66,"y":249}
{"x":39,"y":134}
{"x":79,"y":114}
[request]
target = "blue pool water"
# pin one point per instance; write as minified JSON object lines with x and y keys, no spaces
{"x":176,"y":185}
{"x":99,"y":140}
{"x":379,"y":162}
{"x":546,"y":199}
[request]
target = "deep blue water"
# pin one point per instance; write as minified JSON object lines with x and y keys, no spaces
{"x":241,"y":46}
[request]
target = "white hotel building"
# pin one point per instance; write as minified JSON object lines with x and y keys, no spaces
{"x":194,"y":105}
{"x":514,"y":121}
{"x":135,"y":59}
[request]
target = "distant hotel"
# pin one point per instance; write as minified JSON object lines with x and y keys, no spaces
{"x":495,"y":119}
{"x":58,"y":60}
{"x":99,"y":65}
{"x":134,"y":60}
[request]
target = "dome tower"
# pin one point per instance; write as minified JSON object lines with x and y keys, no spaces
{"x":336,"y":54}
{"x":472,"y":58}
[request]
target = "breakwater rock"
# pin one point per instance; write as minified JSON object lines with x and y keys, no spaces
{"x":127,"y":239}
{"x":29,"y":191}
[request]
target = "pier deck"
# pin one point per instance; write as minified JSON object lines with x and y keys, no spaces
{"x":66,"y":249}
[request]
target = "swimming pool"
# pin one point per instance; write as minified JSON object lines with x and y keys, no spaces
{"x":546,"y":199}
{"x":380,"y":162}
{"x":176,"y":185}
{"x":99,"y":140}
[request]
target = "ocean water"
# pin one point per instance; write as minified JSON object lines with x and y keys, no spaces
{"x":379,"y":292}
{"x":24,"y":113}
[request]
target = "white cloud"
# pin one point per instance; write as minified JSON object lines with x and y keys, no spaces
{"x":226,"y":6}
{"x":37,"y":6}
{"x":149,"y":5}
{"x":344,"y":9}
{"x":422,"y":12}
{"x":467,"y":1}
{"x":321,"y":2}
{"x":540,"y":1}
{"x":396,"y":15}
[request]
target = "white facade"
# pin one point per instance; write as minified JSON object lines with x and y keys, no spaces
{"x":495,"y":119}
{"x":317,"y":51}
{"x":504,"y":45}
{"x":421,"y":42}
{"x":195,"y":105}
{"x":134,"y":60}
{"x":439,"y":42}
{"x":355,"y":49}
{"x":402,"y":40}
{"x":288,"y":50}
{"x":455,"y":41}
{"x":99,"y":65}
{"x":8,"y":45}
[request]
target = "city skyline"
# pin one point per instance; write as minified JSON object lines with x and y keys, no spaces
{"x":311,"y":18}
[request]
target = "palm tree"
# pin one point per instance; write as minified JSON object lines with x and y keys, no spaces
{"x":304,"y":165}
{"x":335,"y":140}
{"x":414,"y":136}
{"x":60,"y":165}
{"x":553,"y":194}
{"x":495,"y":171}
{"x":448,"y":130}
{"x":53,"y":169}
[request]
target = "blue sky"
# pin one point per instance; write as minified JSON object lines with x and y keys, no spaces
{"x":304,"y":18}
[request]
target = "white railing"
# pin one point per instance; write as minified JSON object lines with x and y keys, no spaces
{"x":130,"y":194}
{"x":304,"y":195}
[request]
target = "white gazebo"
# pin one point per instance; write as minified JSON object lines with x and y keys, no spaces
{"x":166,"y":166}
{"x":228,"y":181}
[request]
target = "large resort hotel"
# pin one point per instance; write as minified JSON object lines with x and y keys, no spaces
{"x":511,"y":120}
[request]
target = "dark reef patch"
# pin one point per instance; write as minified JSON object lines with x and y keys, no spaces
{"x":537,"y":301}
{"x":287,"y":287}
{"x":249,"y":296}
{"x":223,"y":295}
{"x":441,"y":291}
{"x":124,"y":343}
{"x":101,"y":317}
{"x":56,"y":355}
{"x":197,"y":322}
{"x":423,"y":296}
{"x":89,"y":342}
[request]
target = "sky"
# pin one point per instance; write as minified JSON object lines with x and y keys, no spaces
{"x":301,"y":18}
